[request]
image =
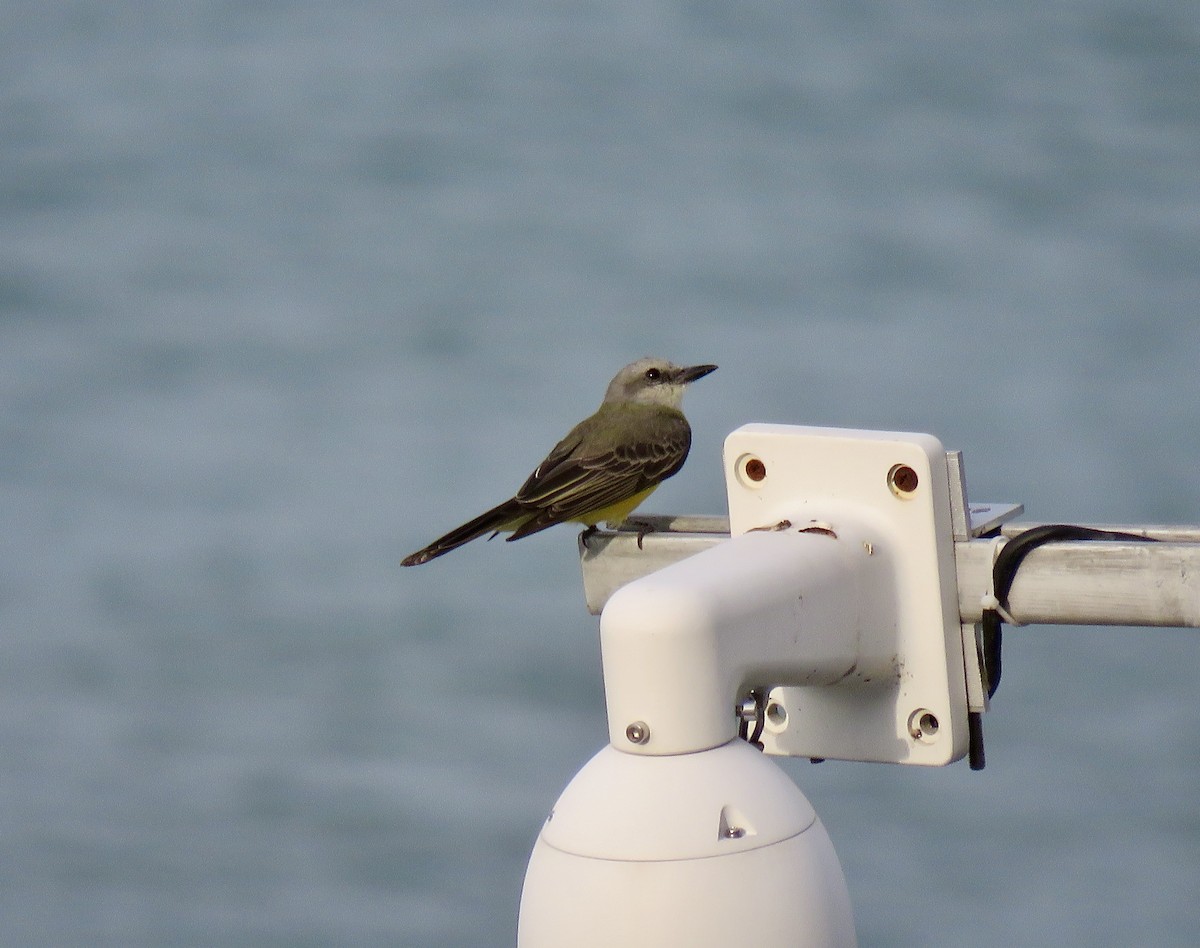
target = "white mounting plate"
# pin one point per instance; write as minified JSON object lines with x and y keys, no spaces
{"x":852,"y":483}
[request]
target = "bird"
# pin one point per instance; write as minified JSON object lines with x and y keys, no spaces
{"x":605,"y":466}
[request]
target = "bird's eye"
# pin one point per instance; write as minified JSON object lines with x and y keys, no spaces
{"x":653,"y":375}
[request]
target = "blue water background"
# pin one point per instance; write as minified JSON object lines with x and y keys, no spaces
{"x":287,"y":289}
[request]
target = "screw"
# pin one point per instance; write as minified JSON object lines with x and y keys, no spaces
{"x":923,"y":725}
{"x":755,"y":469}
{"x":638,"y":732}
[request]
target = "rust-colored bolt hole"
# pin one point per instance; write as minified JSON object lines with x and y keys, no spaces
{"x":755,"y":469}
{"x":903,"y":480}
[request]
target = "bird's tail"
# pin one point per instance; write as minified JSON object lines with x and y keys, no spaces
{"x":501,"y":517}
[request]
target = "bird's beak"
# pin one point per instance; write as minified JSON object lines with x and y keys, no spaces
{"x":693,"y":372}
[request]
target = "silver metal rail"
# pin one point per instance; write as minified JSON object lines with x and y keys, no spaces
{"x":1079,"y":582}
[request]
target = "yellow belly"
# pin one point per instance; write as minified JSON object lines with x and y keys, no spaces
{"x":614,"y":513}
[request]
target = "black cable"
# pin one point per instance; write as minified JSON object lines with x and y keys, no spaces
{"x":975,"y":754}
{"x":1004,"y":572}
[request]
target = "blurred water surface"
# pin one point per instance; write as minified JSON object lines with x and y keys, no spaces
{"x":287,"y":290}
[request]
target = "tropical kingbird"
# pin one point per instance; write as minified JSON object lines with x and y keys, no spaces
{"x":607,"y":465}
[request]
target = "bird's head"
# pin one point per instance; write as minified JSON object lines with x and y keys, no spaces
{"x":654,"y":382}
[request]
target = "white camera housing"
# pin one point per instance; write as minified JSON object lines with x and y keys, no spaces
{"x":710,"y":849}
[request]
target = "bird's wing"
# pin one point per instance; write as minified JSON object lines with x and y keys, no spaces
{"x":586,"y":472}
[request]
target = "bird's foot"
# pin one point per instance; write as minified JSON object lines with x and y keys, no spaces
{"x":587,"y":535}
{"x":642,"y":526}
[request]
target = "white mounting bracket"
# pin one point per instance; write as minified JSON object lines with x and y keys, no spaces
{"x":888,"y":495}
